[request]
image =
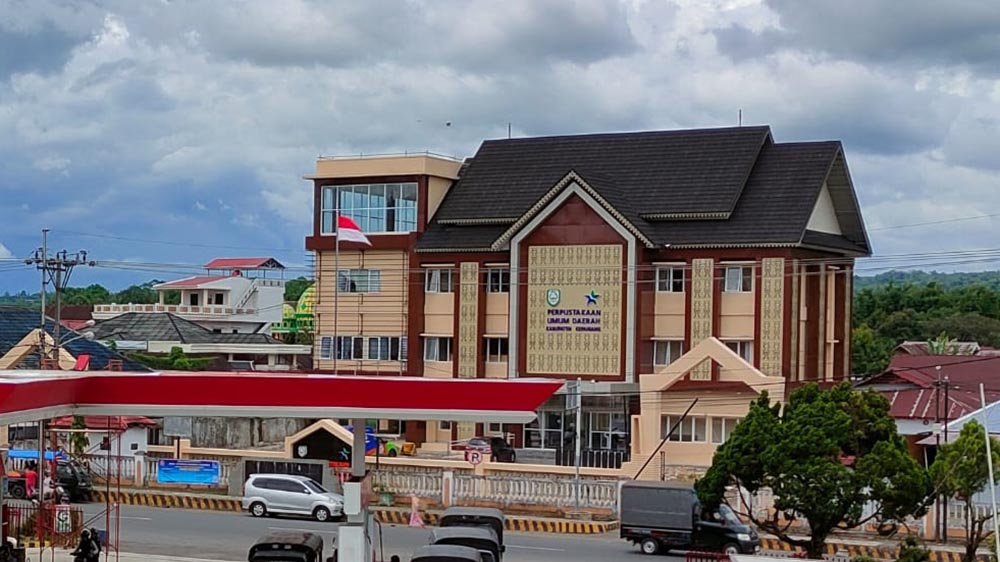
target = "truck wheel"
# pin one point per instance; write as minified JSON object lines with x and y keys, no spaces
{"x":649,"y":546}
{"x":18,"y":492}
{"x":731,"y":549}
{"x":392,"y":452}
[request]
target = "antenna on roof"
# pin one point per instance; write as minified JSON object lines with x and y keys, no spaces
{"x":508,"y":130}
{"x":739,"y":118}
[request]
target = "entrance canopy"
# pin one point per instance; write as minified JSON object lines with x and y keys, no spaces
{"x":32,"y":395}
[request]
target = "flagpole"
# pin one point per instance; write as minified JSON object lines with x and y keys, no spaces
{"x":336,"y":293}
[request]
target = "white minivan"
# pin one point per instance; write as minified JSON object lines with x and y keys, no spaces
{"x":289,"y":494}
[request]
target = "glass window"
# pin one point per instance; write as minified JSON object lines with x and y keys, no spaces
{"x":383,"y":348}
{"x":545,"y":432}
{"x":437,"y":349}
{"x":739,"y":279}
{"x":743,"y":348}
{"x":325,"y":347}
{"x":359,"y":280}
{"x":444,"y":426}
{"x":722,"y":428}
{"x":692,"y":429}
{"x":375,"y":207}
{"x":350,"y":347}
{"x":312,"y":485}
{"x":498,"y":280}
{"x":670,"y":279}
{"x":439,"y":280}
{"x":666,"y":352}
{"x":496,"y":350}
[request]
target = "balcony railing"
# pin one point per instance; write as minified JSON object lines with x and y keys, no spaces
{"x":180,"y":309}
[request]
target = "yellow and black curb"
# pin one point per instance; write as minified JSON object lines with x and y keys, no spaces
{"x":34,"y":543}
{"x":876,"y":552}
{"x":152,"y":499}
{"x":513,"y":523}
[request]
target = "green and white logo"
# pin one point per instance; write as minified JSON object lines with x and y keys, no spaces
{"x":552,"y":297}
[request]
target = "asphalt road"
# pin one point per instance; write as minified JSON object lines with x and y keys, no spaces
{"x":227,"y":536}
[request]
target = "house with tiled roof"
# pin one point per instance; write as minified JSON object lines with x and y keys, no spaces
{"x":234,"y":296}
{"x":927,"y":391}
{"x":600,"y":257}
{"x":160,"y":332}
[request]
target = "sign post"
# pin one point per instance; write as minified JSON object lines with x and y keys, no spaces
{"x":574,"y":402}
{"x":474,"y":457}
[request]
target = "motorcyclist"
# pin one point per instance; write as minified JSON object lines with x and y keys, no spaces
{"x":85,"y":550}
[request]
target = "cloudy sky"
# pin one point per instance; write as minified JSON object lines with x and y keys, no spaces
{"x":171,"y":131}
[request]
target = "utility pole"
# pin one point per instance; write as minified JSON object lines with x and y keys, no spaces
{"x":57,"y":271}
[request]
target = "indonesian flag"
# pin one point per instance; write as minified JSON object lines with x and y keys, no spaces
{"x":349,"y":231}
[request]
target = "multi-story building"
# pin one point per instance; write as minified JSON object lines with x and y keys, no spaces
{"x":604,"y":258}
{"x":235,"y":296}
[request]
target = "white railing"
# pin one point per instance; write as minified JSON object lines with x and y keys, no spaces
{"x":113,"y":467}
{"x":425,"y":484}
{"x":536,"y":490}
{"x":174,"y":308}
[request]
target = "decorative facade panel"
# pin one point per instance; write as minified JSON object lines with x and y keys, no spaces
{"x":772,"y":315}
{"x":702,"y":297}
{"x":820,"y":365}
{"x":575,"y":310}
{"x":468,"y":320}
{"x":796,"y":360}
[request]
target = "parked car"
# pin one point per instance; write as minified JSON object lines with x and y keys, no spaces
{"x":289,"y":494}
{"x":482,"y":539}
{"x":495,"y":448}
{"x":375,"y":443}
{"x":660,"y":516}
{"x":446,"y":553}
{"x":290,"y":546}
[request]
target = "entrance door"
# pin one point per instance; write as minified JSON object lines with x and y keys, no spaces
{"x":466,"y":430}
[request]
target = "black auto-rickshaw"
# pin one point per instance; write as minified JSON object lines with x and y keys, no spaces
{"x":446,"y":553}
{"x":287,"y":546}
{"x":475,"y":517}
{"x":482,"y":539}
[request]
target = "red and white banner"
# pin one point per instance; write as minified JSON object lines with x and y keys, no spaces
{"x":349,"y":231}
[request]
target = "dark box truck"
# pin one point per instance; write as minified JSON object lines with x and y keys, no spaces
{"x":660,"y":516}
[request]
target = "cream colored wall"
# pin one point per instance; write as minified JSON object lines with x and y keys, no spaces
{"x":371,"y":314}
{"x":439,"y":313}
{"x":436,"y":190}
{"x":669,"y":321}
{"x":386,"y":166}
{"x":711,"y":404}
{"x":736,"y":315}
{"x":438,"y":369}
{"x":496,"y":370}
{"x":497,"y":307}
{"x":824,"y":216}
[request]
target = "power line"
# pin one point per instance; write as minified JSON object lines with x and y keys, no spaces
{"x":929,"y":223}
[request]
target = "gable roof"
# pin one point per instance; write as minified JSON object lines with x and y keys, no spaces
{"x":191,"y":282}
{"x":18,"y":322}
{"x":696,"y":188}
{"x":168,"y":327}
{"x":244,"y":263}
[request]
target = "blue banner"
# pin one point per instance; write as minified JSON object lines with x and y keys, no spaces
{"x":173,"y":471}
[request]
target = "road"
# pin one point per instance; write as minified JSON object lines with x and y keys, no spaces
{"x":227,"y":536}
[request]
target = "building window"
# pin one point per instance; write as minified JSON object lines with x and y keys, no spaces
{"x":444,"y":426}
{"x":384,"y":348}
{"x":359,"y":280}
{"x":498,"y":280}
{"x":379,"y":207}
{"x":496,"y":350}
{"x":607,"y":430}
{"x":722,"y":428}
{"x":666,"y":352}
{"x":739,"y":279}
{"x":439,"y":280}
{"x":437,"y":349}
{"x":219,"y":298}
{"x":743,"y":348}
{"x":670,"y":279}
{"x":545,"y":432}
{"x":347,"y":347}
{"x":690,"y":430}
{"x":193,"y":299}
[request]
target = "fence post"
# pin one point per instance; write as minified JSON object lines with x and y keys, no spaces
{"x":140,"y":468}
{"x":447,"y":486}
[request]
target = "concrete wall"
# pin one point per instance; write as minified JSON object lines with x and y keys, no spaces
{"x":241,"y":433}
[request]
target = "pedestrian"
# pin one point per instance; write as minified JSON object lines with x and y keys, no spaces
{"x":85,"y":549}
{"x":30,"y":479}
{"x":394,"y":558}
{"x":415,"y":519}
{"x":95,"y":537}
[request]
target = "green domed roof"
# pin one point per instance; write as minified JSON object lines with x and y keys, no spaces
{"x":306,"y":302}
{"x":287,"y":312}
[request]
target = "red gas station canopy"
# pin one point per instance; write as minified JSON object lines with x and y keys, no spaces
{"x":32,"y":395}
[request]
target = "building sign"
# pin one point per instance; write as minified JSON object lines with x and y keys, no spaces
{"x":175,"y":471}
{"x":574,"y":310}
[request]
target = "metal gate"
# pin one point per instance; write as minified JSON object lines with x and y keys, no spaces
{"x":312,"y":470}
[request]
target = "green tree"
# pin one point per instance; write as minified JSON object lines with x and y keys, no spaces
{"x":295,"y":287}
{"x":78,"y":441}
{"x":824,"y":457}
{"x":92,"y":294}
{"x":176,"y":360}
{"x":960,"y":470}
{"x":970,"y":326}
{"x":870,"y":352}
